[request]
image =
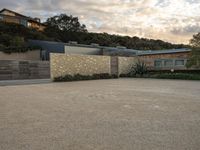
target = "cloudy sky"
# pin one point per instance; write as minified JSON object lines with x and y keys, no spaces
{"x":170,"y":20}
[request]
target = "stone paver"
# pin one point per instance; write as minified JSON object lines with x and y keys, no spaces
{"x":121,"y":114}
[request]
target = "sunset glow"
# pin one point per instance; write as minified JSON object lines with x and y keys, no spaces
{"x":170,"y":20}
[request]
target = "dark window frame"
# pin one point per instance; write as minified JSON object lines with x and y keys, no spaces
{"x":183,"y":62}
{"x":168,"y":60}
{"x":158,"y":61}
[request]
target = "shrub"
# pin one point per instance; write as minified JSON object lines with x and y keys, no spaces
{"x":17,"y":41}
{"x":139,"y":68}
{"x":79,"y":77}
{"x":127,"y":75}
{"x":5,"y":39}
{"x":2,"y":47}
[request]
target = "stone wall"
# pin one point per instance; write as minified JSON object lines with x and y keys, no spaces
{"x":63,"y":64}
{"x":13,"y":69}
{"x":30,"y":55}
{"x":125,"y":64}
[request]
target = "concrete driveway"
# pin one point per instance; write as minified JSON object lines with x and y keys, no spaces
{"x":121,"y":114}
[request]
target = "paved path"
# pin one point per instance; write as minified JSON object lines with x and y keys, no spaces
{"x":24,"y":82}
{"x":123,"y":114}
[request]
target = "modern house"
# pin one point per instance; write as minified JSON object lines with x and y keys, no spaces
{"x":10,"y":16}
{"x":166,"y":59}
{"x":155,"y":59}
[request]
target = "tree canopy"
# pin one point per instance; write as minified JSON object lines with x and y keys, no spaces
{"x":64,"y":22}
{"x":195,"y":41}
{"x":194,"y":60}
{"x":13,"y":37}
{"x":66,"y":28}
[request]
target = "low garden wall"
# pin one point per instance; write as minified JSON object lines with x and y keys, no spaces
{"x":29,"y":55}
{"x":87,"y":65}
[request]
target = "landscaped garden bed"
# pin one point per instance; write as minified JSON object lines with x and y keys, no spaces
{"x":79,"y":77}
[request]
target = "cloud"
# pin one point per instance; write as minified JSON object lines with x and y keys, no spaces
{"x":187,"y":30}
{"x":163,"y":3}
{"x":171,"y":20}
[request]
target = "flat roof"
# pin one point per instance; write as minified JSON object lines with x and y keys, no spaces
{"x":123,"y":50}
{"x":167,"y":51}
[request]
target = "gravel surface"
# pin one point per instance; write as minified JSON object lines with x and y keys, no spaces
{"x":119,"y":114}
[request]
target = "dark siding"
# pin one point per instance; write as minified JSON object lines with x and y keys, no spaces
{"x":49,"y":47}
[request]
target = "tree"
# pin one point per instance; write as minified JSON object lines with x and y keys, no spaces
{"x":64,"y":22}
{"x":66,"y":28}
{"x":194,"y":60}
{"x":195,"y":41}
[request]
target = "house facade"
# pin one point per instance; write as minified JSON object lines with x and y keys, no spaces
{"x":169,"y":59}
{"x":173,"y":59}
{"x":14,"y":17}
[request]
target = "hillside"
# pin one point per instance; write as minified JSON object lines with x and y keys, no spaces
{"x":14,"y":36}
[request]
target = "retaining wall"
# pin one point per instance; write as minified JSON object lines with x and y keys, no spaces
{"x":13,"y":69}
{"x":30,"y":55}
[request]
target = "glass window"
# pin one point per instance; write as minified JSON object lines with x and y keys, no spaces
{"x":158,"y":63}
{"x":23,"y":22}
{"x":1,"y":17}
{"x":29,"y":24}
{"x":168,"y":63}
{"x":179,"y":62}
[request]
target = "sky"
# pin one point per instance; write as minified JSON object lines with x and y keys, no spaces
{"x":173,"y":21}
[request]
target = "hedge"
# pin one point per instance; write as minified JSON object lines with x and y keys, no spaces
{"x":183,"y":76}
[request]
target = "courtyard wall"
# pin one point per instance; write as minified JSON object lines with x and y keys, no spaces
{"x":63,"y":64}
{"x":125,"y":64}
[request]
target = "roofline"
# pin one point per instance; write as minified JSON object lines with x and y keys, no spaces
{"x":164,"y":52}
{"x":115,"y":48}
{"x":82,"y":45}
{"x":26,"y":17}
{"x":13,"y":12}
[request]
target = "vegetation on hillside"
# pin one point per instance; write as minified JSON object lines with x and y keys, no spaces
{"x":66,"y":28}
{"x":13,"y":37}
